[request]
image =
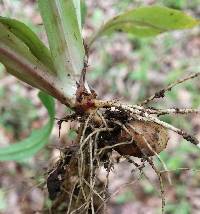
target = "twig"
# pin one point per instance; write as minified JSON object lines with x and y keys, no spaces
{"x":162,"y":92}
{"x":160,"y":181}
{"x":183,"y":169}
{"x":173,"y":111}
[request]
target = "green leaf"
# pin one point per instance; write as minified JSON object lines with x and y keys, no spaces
{"x":83,"y":12}
{"x":124,"y":197}
{"x":147,"y":21}
{"x":38,"y":138}
{"x":36,"y":46}
{"x":175,"y":162}
{"x":19,"y":60}
{"x":62,"y":21}
{"x":77,"y":6}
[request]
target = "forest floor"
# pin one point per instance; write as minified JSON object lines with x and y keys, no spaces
{"x":126,"y":68}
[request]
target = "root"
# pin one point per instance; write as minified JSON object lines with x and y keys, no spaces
{"x":161,"y":93}
{"x":160,"y":181}
{"x":78,"y":188}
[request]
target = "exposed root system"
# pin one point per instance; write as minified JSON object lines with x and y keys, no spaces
{"x":106,"y":127}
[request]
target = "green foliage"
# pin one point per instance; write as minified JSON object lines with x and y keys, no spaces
{"x":182,"y":207}
{"x":25,"y":34}
{"x":176,"y":160}
{"x":177,"y":4}
{"x":62,"y":22}
{"x":38,"y":138}
{"x":16,"y":112}
{"x":17,"y":55}
{"x":148,"y":187}
{"x":124,"y":197}
{"x":83,"y":12}
{"x":181,"y":4}
{"x":147,"y":21}
{"x":147,"y":55}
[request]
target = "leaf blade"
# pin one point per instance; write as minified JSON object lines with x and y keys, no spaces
{"x":63,"y":24}
{"x":16,"y":55}
{"x":20,"y":62}
{"x":36,"y":46}
{"x":147,"y":21}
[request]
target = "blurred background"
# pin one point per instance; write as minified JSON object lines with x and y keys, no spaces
{"x":122,"y":67}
